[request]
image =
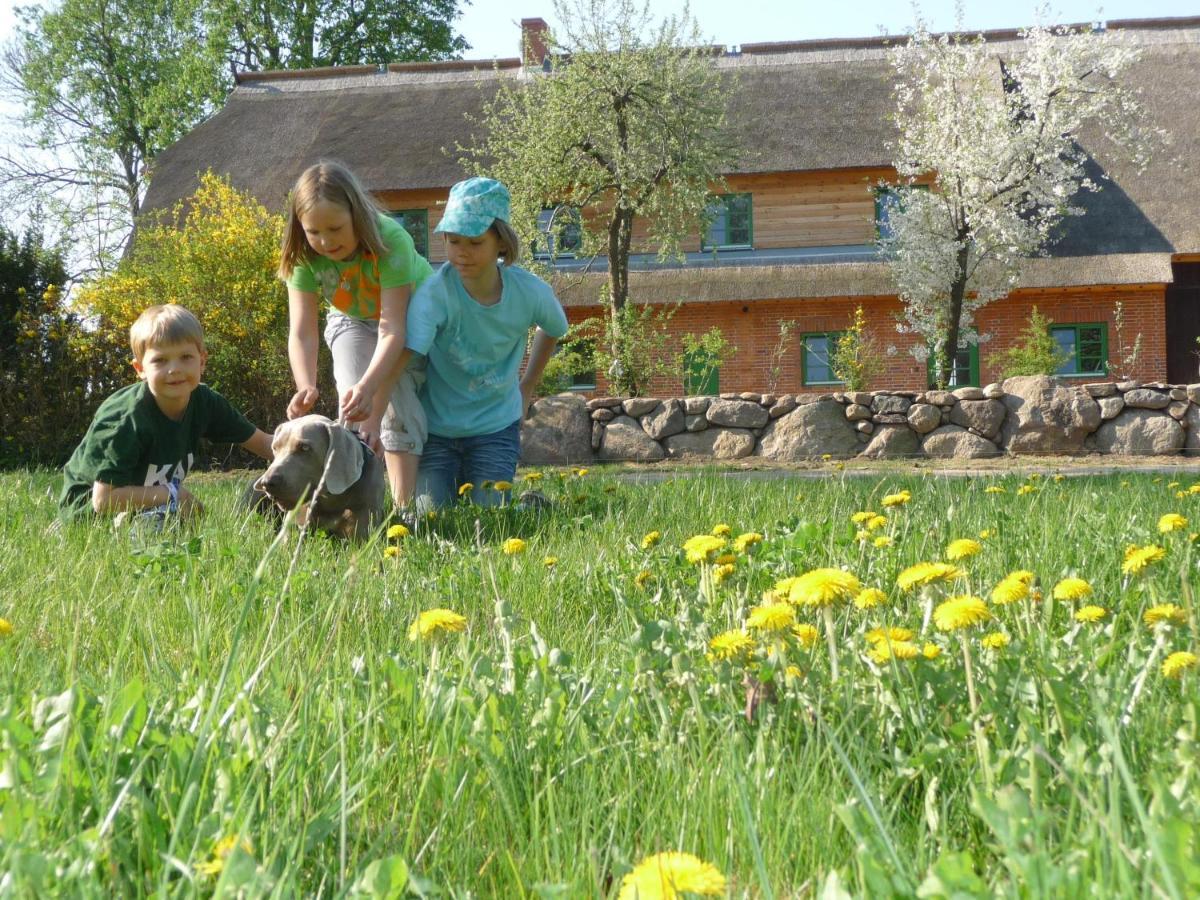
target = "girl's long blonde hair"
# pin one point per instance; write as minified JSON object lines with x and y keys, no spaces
{"x":331,"y":181}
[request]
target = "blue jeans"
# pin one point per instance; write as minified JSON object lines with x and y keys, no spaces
{"x":447,"y":463}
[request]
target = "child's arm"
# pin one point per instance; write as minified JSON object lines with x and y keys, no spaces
{"x":539,"y":355}
{"x":303,"y":312}
{"x":359,"y":402}
{"x":108,"y":499}
{"x":259,"y":444}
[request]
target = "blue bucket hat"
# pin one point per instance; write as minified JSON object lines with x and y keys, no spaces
{"x":473,"y":205}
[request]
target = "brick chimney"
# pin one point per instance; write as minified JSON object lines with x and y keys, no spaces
{"x":534,"y":51}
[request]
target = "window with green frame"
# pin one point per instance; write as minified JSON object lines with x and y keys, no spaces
{"x":700,"y":376}
{"x":730,"y":223}
{"x":887,"y":200}
{"x":416,"y":223}
{"x":560,"y":233}
{"x":815,"y":352}
{"x":584,"y":381}
{"x":966,"y":368}
{"x":1087,"y":346}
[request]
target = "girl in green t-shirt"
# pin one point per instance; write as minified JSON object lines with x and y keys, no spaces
{"x":339,"y":247}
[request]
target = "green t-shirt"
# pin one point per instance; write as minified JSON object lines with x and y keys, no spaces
{"x":353,"y":285}
{"x":131,"y":442}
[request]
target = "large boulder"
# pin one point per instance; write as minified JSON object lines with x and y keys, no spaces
{"x":1191,"y":422}
{"x":665,"y":420}
{"x":1046,"y":415}
{"x":736,"y":414}
{"x":955,"y":442}
{"x":624,"y":440}
{"x":1140,"y":432}
{"x":981,"y":416}
{"x":924,"y":417}
{"x":1145,"y":398}
{"x":812,"y":429}
{"x":558,"y":432}
{"x":715,"y":443}
{"x":893,"y":441}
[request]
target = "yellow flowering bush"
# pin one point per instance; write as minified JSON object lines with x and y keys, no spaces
{"x":215,"y":253}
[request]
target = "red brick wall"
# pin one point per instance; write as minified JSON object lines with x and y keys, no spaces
{"x":753,"y":328}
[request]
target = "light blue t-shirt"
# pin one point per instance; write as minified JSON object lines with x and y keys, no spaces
{"x":475,"y":351}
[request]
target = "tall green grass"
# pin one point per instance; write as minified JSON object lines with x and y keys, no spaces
{"x":225,"y":709}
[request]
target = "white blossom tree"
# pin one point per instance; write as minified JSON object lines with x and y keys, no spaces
{"x":997,"y":127}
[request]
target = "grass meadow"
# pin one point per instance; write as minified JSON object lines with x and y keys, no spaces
{"x":221,"y":710}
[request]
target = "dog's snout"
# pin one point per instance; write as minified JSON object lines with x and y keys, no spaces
{"x":268,"y":483}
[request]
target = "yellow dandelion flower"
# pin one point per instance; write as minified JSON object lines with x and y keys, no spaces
{"x":6,"y":628}
{"x":671,"y":875}
{"x":806,"y":634}
{"x":826,"y":456}
{"x":221,"y":852}
{"x":996,"y":640}
{"x":1165,"y":614}
{"x":861,"y":518}
{"x":1179,"y":495}
{"x":391,"y":552}
{"x":744,"y":542}
{"x":987,"y":534}
{"x":465,"y":488}
{"x":876,"y":522}
{"x":579,"y":473}
{"x":721,"y":530}
{"x":1171,"y":485}
{"x":888,"y":633}
{"x":1059,"y":477}
{"x":995,"y":489}
{"x":862,"y":535}
{"x":897,"y":499}
{"x":550,"y":562}
{"x":924,"y":573}
{"x":1137,"y":558}
{"x":783,"y":586}
{"x":1025,"y":489}
{"x":433,"y":622}
{"x":651,"y":539}
{"x":931,"y":651}
{"x":1194,"y":488}
{"x":513,"y":546}
{"x":642,"y":577}
{"x":885,"y":651}
{"x":701,"y":548}
{"x":869,"y":597}
{"x":823,"y":587}
{"x":1171,"y":522}
{"x":731,"y":644}
{"x":963,"y":548}
{"x":1090,"y":614}
{"x":501,"y":486}
{"x":398,"y":531}
{"x":1179,"y":662}
{"x":772,"y":617}
{"x":883,"y":540}
{"x":721,"y":572}
{"x":959,"y":612}
{"x":1071,"y":589}
{"x":533,"y":476}
{"x":725,"y":559}
{"x":1013,"y":587}
{"x":793,"y":672}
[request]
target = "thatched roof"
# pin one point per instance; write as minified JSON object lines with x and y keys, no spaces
{"x":803,"y":106}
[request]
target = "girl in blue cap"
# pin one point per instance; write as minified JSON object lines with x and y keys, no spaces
{"x":471,"y":321}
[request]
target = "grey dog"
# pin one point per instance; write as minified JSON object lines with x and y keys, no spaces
{"x":350,"y":501}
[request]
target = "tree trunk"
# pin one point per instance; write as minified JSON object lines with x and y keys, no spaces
{"x":958,"y":290}
{"x":620,"y":236}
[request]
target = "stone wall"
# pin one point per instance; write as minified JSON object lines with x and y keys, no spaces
{"x":1021,"y":416}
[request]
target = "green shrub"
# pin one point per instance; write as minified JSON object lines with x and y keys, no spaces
{"x":1034,"y":353}
{"x":855,"y":357}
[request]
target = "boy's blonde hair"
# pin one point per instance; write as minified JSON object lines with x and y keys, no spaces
{"x":510,"y":244}
{"x":331,"y":181}
{"x":164,"y":325}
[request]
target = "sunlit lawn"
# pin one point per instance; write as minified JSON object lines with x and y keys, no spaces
{"x":214,"y":710}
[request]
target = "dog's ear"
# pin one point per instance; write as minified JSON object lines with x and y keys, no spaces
{"x":344,"y":467}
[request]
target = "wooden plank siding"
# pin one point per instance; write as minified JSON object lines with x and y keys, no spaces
{"x":790,"y":209}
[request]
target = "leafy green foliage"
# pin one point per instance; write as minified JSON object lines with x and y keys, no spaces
{"x":292,"y":34}
{"x":704,"y":356}
{"x":855,"y":358}
{"x":633,"y":346}
{"x":53,"y":371}
{"x":1035,"y":351}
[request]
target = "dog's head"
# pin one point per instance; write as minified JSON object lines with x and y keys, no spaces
{"x":305,"y":449}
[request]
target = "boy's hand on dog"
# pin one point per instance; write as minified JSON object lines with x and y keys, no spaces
{"x":189,"y":506}
{"x":369,"y":432}
{"x":302,"y":402}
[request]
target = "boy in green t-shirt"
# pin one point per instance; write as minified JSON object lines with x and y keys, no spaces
{"x":144,"y":438}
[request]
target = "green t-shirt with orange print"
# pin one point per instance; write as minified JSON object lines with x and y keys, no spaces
{"x":353,"y":285}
